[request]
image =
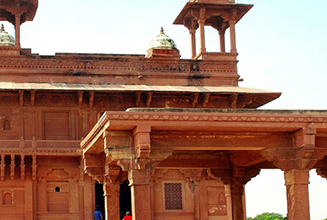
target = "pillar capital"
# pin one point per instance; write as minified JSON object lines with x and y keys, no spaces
{"x":201,"y":22}
{"x":139,"y":177}
{"x":112,"y":173}
{"x":298,"y":177}
{"x":191,"y":24}
{"x":110,"y":188}
{"x":202,"y":13}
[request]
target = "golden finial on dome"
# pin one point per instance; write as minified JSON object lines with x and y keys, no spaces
{"x":162,"y":30}
{"x":2,"y":28}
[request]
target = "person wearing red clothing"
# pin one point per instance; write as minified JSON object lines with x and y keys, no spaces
{"x":128,"y":216}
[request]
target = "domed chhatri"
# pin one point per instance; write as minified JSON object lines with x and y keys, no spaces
{"x":163,"y":47}
{"x":162,"y":41}
{"x":5,"y":38}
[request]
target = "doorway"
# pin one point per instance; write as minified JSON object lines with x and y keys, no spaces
{"x":99,"y":198}
{"x":125,"y":199}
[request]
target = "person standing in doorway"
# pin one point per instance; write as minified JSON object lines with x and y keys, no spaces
{"x":128,"y":216}
{"x":97,"y":214}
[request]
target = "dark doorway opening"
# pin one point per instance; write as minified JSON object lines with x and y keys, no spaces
{"x":125,"y":199}
{"x":99,"y":198}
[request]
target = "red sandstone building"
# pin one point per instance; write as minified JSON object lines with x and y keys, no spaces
{"x":164,"y":137}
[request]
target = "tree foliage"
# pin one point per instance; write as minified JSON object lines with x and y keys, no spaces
{"x":268,"y":216}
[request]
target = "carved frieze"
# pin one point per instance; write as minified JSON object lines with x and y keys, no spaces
{"x":273,"y":118}
{"x":114,"y":64}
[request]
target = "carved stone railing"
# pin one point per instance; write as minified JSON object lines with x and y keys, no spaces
{"x":40,"y":144}
{"x":62,"y":144}
{"x":216,"y":56}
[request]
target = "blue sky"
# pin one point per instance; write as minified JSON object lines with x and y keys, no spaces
{"x":281,"y":43}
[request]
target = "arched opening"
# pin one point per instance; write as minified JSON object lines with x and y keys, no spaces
{"x":125,"y":198}
{"x":6,"y":125}
{"x":99,"y":198}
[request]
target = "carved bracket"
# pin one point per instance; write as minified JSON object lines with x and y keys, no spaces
{"x":94,"y":166}
{"x":112,"y":173}
{"x":142,"y":141}
{"x":238,"y":175}
{"x":302,"y":155}
{"x":322,"y":172}
{"x":193,"y":176}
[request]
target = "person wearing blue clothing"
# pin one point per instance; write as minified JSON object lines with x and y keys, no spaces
{"x":97,"y":214}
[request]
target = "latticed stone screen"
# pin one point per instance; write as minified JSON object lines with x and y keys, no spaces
{"x":173,"y":196}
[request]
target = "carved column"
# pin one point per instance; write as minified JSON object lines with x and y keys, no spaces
{"x":201,"y":22}
{"x":34,"y":182}
{"x":22,"y":166}
{"x":232,"y":23}
{"x":232,"y":36}
{"x":141,"y":193}
{"x":2,"y":167}
{"x":202,"y":38}
{"x":222,"y":40}
{"x":193,"y":44}
{"x":296,"y":161}
{"x":17,"y":29}
{"x":296,"y":182}
{"x":234,"y":193}
{"x":111,"y":188}
{"x":12,"y":166}
{"x":111,"y":199}
{"x":192,"y":25}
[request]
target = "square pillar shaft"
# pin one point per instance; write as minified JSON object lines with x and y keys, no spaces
{"x":234,"y":197}
{"x":141,"y":194}
{"x":111,"y":199}
{"x":296,"y":182}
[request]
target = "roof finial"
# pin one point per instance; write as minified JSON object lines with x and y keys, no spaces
{"x":2,"y":28}
{"x":162,"y":30}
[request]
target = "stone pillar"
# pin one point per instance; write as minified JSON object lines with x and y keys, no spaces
{"x":222,"y":40}
{"x":193,"y":44}
{"x":296,"y":182}
{"x":111,"y":199}
{"x":232,"y":36}
{"x":192,"y":25}
{"x":197,"y":210}
{"x":234,"y":197}
{"x":201,"y":21}
{"x":17,"y":30}
{"x":141,"y":194}
{"x":29,"y":210}
{"x":35,"y":184}
{"x":202,"y":38}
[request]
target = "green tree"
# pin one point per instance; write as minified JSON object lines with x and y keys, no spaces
{"x":268,"y":216}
